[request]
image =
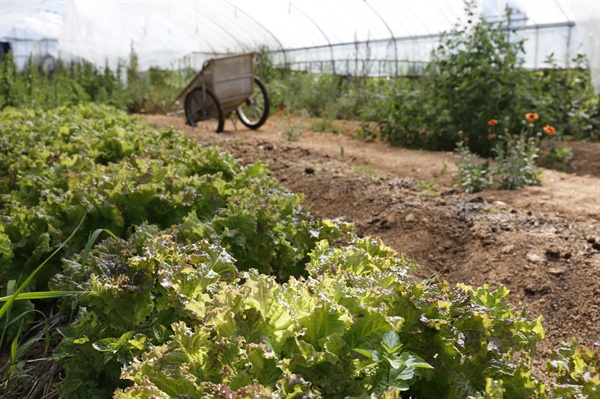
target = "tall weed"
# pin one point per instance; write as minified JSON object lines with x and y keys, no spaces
{"x":514,"y":159}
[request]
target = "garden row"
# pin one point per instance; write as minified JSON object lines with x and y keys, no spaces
{"x":209,"y":281}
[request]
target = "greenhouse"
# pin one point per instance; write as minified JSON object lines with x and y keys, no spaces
{"x":335,"y":199}
{"x":378,"y":38}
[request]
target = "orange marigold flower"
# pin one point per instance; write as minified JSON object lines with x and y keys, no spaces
{"x":532,"y":117}
{"x":493,"y":122}
{"x":549,"y":130}
{"x":490,"y":137}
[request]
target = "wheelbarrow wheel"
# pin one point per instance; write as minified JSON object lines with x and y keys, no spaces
{"x":201,"y":105}
{"x":254,"y":111}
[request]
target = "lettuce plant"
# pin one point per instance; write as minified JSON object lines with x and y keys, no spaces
{"x":97,"y":161}
{"x":166,"y":319}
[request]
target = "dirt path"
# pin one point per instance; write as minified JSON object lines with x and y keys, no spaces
{"x":543,"y":243}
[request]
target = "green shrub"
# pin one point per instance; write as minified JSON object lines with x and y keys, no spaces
{"x":71,"y":84}
{"x":476,"y":75}
{"x":567,"y":98}
{"x":154,"y":91}
{"x":308,"y":92}
{"x":396,"y":114}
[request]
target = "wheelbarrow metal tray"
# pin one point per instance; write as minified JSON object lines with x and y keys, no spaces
{"x":230,"y":79}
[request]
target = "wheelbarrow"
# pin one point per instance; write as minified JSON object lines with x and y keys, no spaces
{"x":223,"y":86}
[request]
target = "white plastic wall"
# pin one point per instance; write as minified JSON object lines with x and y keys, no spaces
{"x":32,"y":28}
{"x":586,"y":15}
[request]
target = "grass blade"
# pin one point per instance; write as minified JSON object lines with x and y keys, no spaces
{"x":42,"y":295}
{"x":91,"y":241}
{"x":14,"y":296}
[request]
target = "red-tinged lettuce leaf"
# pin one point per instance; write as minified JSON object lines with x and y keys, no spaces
{"x":366,"y":256}
{"x":251,"y":391}
{"x":575,"y":370}
{"x":144,"y":390}
{"x":170,"y":368}
{"x":190,"y":364}
{"x":342,"y":334}
{"x":295,"y":387}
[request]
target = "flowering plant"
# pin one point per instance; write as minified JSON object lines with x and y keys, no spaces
{"x":514,"y":156}
{"x":532,"y":117}
{"x":549,"y":130}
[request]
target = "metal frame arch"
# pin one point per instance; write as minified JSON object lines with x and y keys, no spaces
{"x":391,"y":34}
{"x":416,"y":17}
{"x":220,"y":27}
{"x":442,"y":13}
{"x":199,"y":18}
{"x":204,"y":40}
{"x":320,"y":30}
{"x":281,"y":47}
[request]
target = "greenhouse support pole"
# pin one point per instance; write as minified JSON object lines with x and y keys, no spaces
{"x":391,"y":35}
{"x":567,"y":55}
{"x":322,"y":32}
{"x":537,"y":45}
{"x":263,"y":27}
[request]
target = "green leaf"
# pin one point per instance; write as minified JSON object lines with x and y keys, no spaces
{"x":391,"y":342}
{"x":275,"y":321}
{"x":106,"y":345}
{"x":81,"y":341}
{"x":493,"y":389}
{"x":411,"y":360}
{"x":368,"y":328}
{"x":310,"y":356}
{"x":401,"y":375}
{"x":370,"y":353}
{"x":396,"y":363}
{"x":6,"y":252}
{"x":264,"y":364}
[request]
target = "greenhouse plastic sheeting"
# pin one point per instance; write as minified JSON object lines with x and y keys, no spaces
{"x":587,"y":17}
{"x":376,"y":37}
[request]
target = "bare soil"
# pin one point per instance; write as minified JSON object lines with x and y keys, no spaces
{"x":543,"y":243}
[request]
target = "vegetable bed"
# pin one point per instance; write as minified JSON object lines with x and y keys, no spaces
{"x":208,"y":280}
